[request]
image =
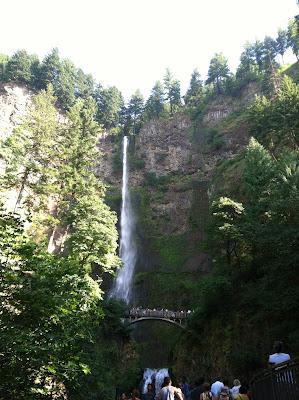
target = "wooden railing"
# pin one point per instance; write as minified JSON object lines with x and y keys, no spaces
{"x":278,"y":383}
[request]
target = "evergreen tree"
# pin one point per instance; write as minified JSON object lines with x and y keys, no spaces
{"x":293,"y":38}
{"x":50,"y":69}
{"x":194,"y":92}
{"x":29,"y":150}
{"x":109,"y":102}
{"x":19,"y":67}
{"x":134,"y":111}
{"x":172,"y":91}
{"x":274,"y":122}
{"x":65,"y":84}
{"x":247,"y":69}
{"x":282,"y":42}
{"x":154,"y":107}
{"x":3,"y":63}
{"x":81,"y":211}
{"x":270,"y":52}
{"x":258,"y":49}
{"x":218,"y":71}
{"x":85,"y":84}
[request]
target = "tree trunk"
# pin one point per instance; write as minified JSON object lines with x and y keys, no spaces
{"x":24,"y":181}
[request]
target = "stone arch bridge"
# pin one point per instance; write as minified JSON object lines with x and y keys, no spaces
{"x":138,"y":314}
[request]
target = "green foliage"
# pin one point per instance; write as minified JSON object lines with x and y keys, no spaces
{"x":19,"y":67}
{"x":282,"y":42}
{"x":109,"y":102}
{"x":65,"y":84}
{"x":214,"y":140}
{"x":29,"y":151}
{"x":155,"y":107}
{"x":275,"y":122}
{"x":3,"y":63}
{"x":218,"y":71}
{"x":194,"y":93}
{"x":293,"y":37}
{"x":172,"y":91}
{"x":252,"y":238}
{"x":55,"y":338}
{"x":48,"y":303}
{"x":133,"y":114}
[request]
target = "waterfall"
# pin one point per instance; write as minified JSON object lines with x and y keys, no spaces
{"x":128,"y":250}
{"x":154,"y":375}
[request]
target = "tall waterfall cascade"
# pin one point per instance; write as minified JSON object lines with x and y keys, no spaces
{"x":122,"y":287}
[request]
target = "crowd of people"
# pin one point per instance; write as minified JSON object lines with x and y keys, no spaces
{"x":219,"y":389}
{"x":200,"y":390}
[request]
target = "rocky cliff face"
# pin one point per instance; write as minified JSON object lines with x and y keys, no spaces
{"x":172,"y":162}
{"x":13,"y":103}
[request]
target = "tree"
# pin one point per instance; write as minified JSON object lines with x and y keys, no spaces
{"x":227,"y":214}
{"x":65,"y":84}
{"x":172,"y":91}
{"x":85,"y":84}
{"x":274,"y":122}
{"x":218,"y":71}
{"x":81,"y":214}
{"x":3,"y":63}
{"x":19,"y":67}
{"x":28,"y":152}
{"x":293,"y":38}
{"x":248,"y":68}
{"x":51,"y":312}
{"x":258,"y":49}
{"x":282,"y":42}
{"x":109,"y":102}
{"x":194,"y":92}
{"x":270,"y":52}
{"x":50,"y":69}
{"x":154,"y":107}
{"x":134,"y":111}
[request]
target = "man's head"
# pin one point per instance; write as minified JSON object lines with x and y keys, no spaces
{"x":167,"y":381}
{"x":277,"y":347}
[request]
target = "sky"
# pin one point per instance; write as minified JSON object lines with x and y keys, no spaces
{"x":130,"y":43}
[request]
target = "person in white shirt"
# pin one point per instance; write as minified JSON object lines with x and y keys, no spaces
{"x":235,"y":389}
{"x":216,"y":388}
{"x":278,"y":356}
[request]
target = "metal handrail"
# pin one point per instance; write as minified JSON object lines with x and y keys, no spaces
{"x":280,"y":382}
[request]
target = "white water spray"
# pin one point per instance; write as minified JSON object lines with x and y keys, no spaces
{"x":154,"y":375}
{"x":128,"y":251}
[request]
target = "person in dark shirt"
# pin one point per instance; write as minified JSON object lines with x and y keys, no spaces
{"x":195,"y":393}
{"x":150,"y":394}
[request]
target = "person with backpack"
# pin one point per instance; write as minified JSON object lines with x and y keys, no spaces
{"x":169,"y":392}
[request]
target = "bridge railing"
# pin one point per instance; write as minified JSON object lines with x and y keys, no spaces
{"x":137,"y":312}
{"x":278,"y":383}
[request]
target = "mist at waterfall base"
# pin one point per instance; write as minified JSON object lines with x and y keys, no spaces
{"x":122,"y":287}
{"x":154,"y":375}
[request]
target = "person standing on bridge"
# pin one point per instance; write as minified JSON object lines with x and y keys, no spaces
{"x":278,"y":356}
{"x":169,"y":392}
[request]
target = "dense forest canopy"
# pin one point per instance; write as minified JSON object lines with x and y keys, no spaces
{"x":58,"y":334}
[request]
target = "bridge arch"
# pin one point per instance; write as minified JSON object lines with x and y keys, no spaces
{"x":169,"y":321}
